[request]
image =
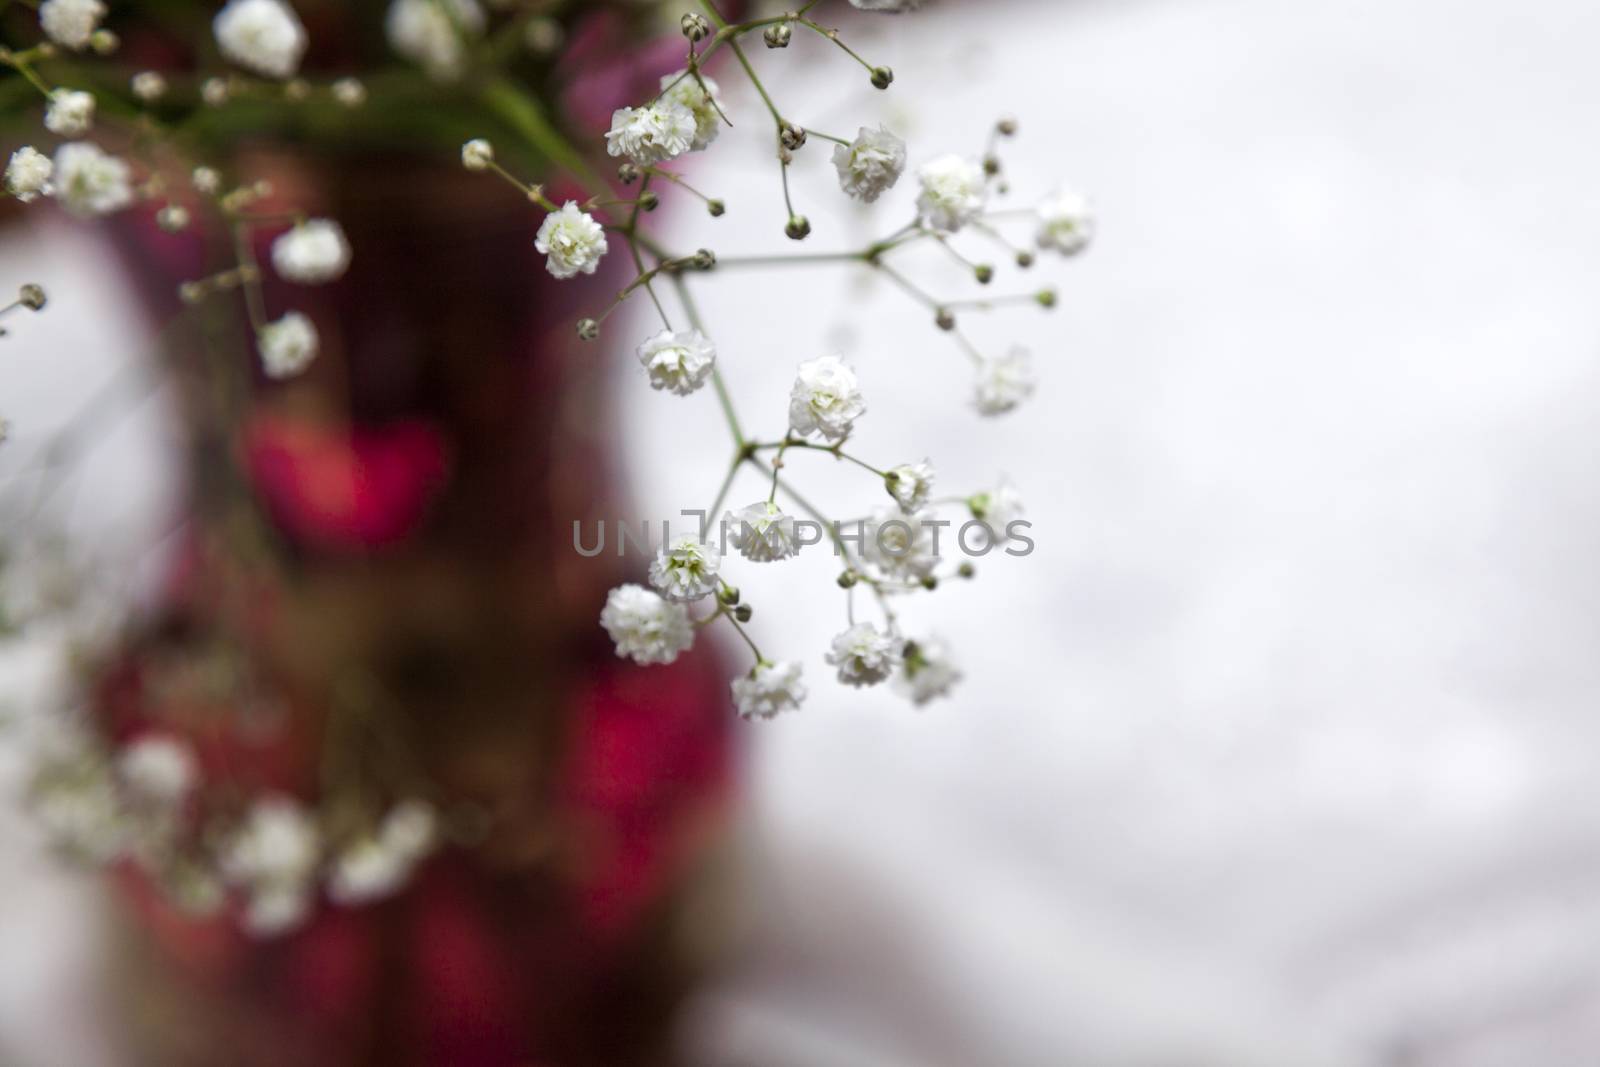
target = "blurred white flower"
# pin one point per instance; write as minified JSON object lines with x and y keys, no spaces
{"x":679,"y":362}
{"x":685,"y":569}
{"x":901,"y":546}
{"x":762,"y":532}
{"x":70,"y":113}
{"x":953,"y":192}
{"x":702,"y":103}
{"x":826,"y":399}
{"x":646,"y":628}
{"x":997,"y":509}
{"x":430,"y":33}
{"x":1003,"y":382}
{"x":477,"y":154}
{"x":871,"y":164}
{"x":288,"y":345}
{"x":89,"y":182}
{"x":277,"y":909}
{"x":75,"y":802}
{"x":158,"y":769}
{"x":28,"y":174}
{"x":865,"y":656}
{"x":926,"y":670}
{"x":653,"y":133}
{"x":315,"y":251}
{"x":70,"y":23}
{"x":148,"y":85}
{"x":768,"y":690}
{"x":276,"y":844}
{"x":265,"y":36}
{"x":572,"y":240}
{"x":910,"y":484}
{"x":1066,"y":223}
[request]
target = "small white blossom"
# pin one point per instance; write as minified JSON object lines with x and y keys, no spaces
{"x":653,"y":133}
{"x":703,"y":104}
{"x":901,"y":546}
{"x":70,"y":114}
{"x":646,"y":628}
{"x":288,"y":345}
{"x":315,"y":251}
{"x":411,"y":827}
{"x":685,"y":569}
{"x":70,"y":23}
{"x":265,"y":36}
{"x":826,"y":399}
{"x":276,"y":909}
{"x":572,"y":240}
{"x":865,"y":656}
{"x":477,"y":154}
{"x":768,"y":690}
{"x":997,"y":509}
{"x":871,"y":164}
{"x":430,"y":33}
{"x":910,"y":484}
{"x":762,"y":532}
{"x":678,"y":362}
{"x":1066,"y":223}
{"x":349,"y":92}
{"x":276,"y":844}
{"x":926,"y":671}
{"x":206,"y":180}
{"x":158,"y":769}
{"x":28,"y":174}
{"x":148,"y":85}
{"x":379,"y":864}
{"x":89,"y":182}
{"x":1003,"y":382}
{"x":953,"y":192}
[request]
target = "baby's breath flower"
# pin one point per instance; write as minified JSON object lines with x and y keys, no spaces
{"x":702,"y":103}
{"x":901,"y":546}
{"x":89,"y":182}
{"x":1066,"y":223}
{"x":349,"y":92}
{"x":910,"y":485}
{"x":276,"y":844}
{"x":646,"y":628}
{"x":287,"y":346}
{"x":685,"y":570}
{"x":430,"y":32}
{"x":174,"y":218}
{"x":762,"y":532}
{"x":1003,"y":382}
{"x":953,"y":192}
{"x":315,"y":251}
{"x":653,"y":133}
{"x":158,"y":769}
{"x":871,"y":164}
{"x":32,"y":297}
{"x":826,"y":399}
{"x":70,"y":23}
{"x":28,"y":174}
{"x":206,"y":180}
{"x":997,"y":509}
{"x":477,"y":154}
{"x":148,"y":85}
{"x":679,"y":362}
{"x":926,"y":671}
{"x":379,"y":863}
{"x":572,"y":240}
{"x":864,"y":656}
{"x":264,"y":36}
{"x":70,"y":114}
{"x":768,"y":690}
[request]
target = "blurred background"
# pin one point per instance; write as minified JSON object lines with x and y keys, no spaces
{"x":1279,"y":750}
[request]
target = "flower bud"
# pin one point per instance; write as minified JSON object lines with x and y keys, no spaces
{"x":791,"y":136}
{"x":104,"y":42}
{"x":1006,"y":127}
{"x":967,"y":570}
{"x":991,"y":165}
{"x":695,"y":27}
{"x":588,"y":329}
{"x":206,"y":180}
{"x":148,"y":85}
{"x":173,"y":218}
{"x":544,"y":36}
{"x":984,"y":273}
{"x":743,"y":612}
{"x":628,"y":173}
{"x":214,"y":91}
{"x":728,"y":595}
{"x":799,"y":228}
{"x":191,"y":292}
{"x":1046,"y":298}
{"x":778,"y":35}
{"x":882,"y":77}
{"x":649,"y":201}
{"x":847,"y":580}
{"x":32,"y":297}
{"x":945,"y":319}
{"x":717,"y":208}
{"x":1024,"y":259}
{"x":477,"y":154}
{"x":930,"y":583}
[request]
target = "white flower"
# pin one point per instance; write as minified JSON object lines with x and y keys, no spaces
{"x":871,"y":164}
{"x":277,"y":909}
{"x":997,"y":509}
{"x":1066,"y":223}
{"x":287,"y":346}
{"x":653,"y":133}
{"x":314,"y":251}
{"x":864,"y":656}
{"x":703,"y":104}
{"x":429,"y":33}
{"x":1003,"y":382}
{"x":572,"y":240}
{"x":162,"y":770}
{"x":70,"y":23}
{"x":901,"y":546}
{"x":826,"y":399}
{"x":28,"y":174}
{"x":367,"y":871}
{"x":477,"y":154}
{"x":646,"y":628}
{"x":276,"y":845}
{"x":926,"y":671}
{"x":685,"y":569}
{"x":953,"y":192}
{"x":148,"y":85}
{"x":89,"y":182}
{"x":261,"y":35}
{"x":762,"y":532}
{"x":70,"y":114}
{"x":910,"y":484}
{"x":411,"y":827}
{"x":769,"y":689}
{"x":678,"y":362}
